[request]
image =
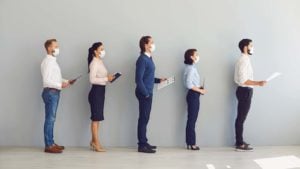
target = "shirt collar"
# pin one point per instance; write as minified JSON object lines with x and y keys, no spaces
{"x":148,"y":54}
{"x":51,"y":57}
{"x":245,"y":56}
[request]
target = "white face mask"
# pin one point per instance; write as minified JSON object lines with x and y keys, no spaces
{"x":56,"y":52}
{"x":197,"y":59}
{"x":251,"y":50}
{"x":102,"y":54}
{"x":152,"y":49}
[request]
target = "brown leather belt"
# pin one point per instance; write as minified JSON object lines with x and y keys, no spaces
{"x":49,"y":88}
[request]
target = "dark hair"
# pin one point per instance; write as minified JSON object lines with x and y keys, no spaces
{"x":243,"y":43}
{"x":91,"y":54}
{"x":187,"y":56}
{"x":49,"y":43}
{"x":143,"y":41}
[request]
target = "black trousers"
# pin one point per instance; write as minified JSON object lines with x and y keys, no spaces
{"x":244,"y":96}
{"x":145,"y":105}
{"x":193,"y":105}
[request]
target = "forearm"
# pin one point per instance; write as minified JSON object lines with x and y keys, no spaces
{"x":251,"y":83}
{"x":142,"y":89}
{"x":196,"y":89}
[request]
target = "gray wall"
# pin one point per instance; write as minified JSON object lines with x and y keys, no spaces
{"x":213,"y":27}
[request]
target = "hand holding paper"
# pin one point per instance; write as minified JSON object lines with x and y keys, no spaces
{"x":166,"y":82}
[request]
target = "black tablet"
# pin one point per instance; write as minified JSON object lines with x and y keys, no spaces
{"x":117,"y":75}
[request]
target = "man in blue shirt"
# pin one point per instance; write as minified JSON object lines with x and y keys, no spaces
{"x":144,"y":79}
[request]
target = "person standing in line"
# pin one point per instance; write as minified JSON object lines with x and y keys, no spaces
{"x":191,"y":79}
{"x":99,"y":77}
{"x":53,"y":83}
{"x":243,"y":77}
{"x":144,"y":79}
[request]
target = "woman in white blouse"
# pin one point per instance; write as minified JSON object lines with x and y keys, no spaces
{"x":98,"y":78}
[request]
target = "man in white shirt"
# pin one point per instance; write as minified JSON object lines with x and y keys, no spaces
{"x":52,"y":83}
{"x":243,"y":76}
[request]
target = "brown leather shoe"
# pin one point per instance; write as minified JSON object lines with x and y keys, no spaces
{"x":52,"y":149}
{"x":59,"y":147}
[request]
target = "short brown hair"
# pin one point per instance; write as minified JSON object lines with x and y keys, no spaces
{"x":143,"y":41}
{"x":243,"y":43}
{"x":49,"y":42}
{"x":187,"y":56}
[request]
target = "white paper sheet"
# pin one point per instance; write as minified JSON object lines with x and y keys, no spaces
{"x":273,"y":76}
{"x":166,"y":83}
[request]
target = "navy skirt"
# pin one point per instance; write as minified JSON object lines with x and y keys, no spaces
{"x":96,"y":100}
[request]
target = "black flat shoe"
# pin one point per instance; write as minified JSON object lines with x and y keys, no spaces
{"x":192,"y":147}
{"x":146,"y":149}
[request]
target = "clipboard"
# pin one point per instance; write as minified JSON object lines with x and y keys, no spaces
{"x":203,"y":85}
{"x":166,"y":83}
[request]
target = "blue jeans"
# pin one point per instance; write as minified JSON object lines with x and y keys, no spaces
{"x":51,"y":99}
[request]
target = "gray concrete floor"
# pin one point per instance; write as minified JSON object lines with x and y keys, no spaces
{"x":165,"y":158}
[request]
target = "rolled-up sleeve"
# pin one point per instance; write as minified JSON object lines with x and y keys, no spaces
{"x":242,"y":75}
{"x":189,"y":79}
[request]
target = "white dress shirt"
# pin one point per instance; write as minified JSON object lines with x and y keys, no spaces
{"x":243,"y":71}
{"x":98,"y":72}
{"x":51,"y":73}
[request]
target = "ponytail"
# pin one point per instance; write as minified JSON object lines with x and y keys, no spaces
{"x":91,"y":53}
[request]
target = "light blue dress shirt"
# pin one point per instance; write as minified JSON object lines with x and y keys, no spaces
{"x":191,"y":77}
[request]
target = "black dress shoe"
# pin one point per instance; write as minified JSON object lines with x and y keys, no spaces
{"x":151,"y":146}
{"x":146,"y":149}
{"x":243,"y":148}
{"x":247,"y":144}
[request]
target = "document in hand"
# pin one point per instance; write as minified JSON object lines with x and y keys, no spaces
{"x":273,"y":76}
{"x":166,"y":83}
{"x":75,"y":79}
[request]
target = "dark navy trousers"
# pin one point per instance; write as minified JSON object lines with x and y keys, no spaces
{"x":145,"y":105}
{"x":193,"y":105}
{"x":244,"y":96}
